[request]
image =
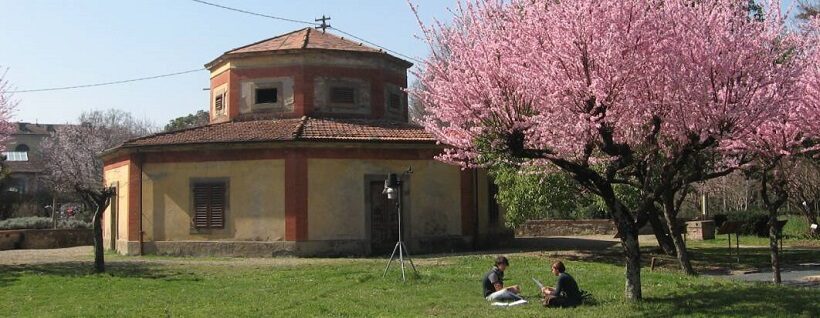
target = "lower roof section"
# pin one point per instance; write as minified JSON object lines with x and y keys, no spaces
{"x":300,"y":129}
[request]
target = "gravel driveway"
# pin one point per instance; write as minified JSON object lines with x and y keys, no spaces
{"x":59,"y":255}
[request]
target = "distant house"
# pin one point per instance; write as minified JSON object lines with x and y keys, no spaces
{"x":304,"y":129}
{"x":22,"y":156}
{"x":25,"y":165}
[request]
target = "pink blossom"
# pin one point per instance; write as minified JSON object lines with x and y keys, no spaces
{"x":560,"y":71}
{"x":6,"y":107}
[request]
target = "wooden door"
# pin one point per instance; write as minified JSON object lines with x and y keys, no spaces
{"x":384,"y":220}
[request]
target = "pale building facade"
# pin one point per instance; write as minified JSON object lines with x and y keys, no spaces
{"x":305,"y":127}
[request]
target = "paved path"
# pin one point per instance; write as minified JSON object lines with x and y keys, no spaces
{"x":85,"y":253}
{"x":799,"y":277}
{"x":71,"y":254}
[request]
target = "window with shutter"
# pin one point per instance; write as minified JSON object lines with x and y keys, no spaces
{"x":343,"y":95}
{"x":209,"y":204}
{"x":219,"y":103}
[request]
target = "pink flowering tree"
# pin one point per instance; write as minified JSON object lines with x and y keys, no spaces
{"x":6,"y":106}
{"x":610,"y":91}
{"x":72,"y":164}
{"x":784,"y":140}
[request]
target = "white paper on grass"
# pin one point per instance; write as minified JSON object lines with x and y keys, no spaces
{"x":515,"y":303}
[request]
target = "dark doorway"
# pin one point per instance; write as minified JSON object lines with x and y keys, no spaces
{"x":384,"y":220}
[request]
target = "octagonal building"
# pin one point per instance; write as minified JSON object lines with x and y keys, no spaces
{"x":304,"y":128}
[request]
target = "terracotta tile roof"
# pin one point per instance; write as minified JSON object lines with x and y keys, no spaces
{"x":304,"y":129}
{"x":307,"y":38}
{"x":245,"y":131}
{"x":24,"y":128}
{"x":357,"y":129}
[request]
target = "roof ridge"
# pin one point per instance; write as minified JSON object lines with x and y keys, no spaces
{"x":301,"y":128}
{"x":265,"y":40}
{"x":307,"y":39}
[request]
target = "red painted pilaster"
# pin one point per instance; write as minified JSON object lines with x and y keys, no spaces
{"x":296,"y":197}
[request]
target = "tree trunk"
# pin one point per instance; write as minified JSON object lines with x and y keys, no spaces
{"x":682,"y":253}
{"x":670,"y":216}
{"x":99,"y":252}
{"x":54,"y":211}
{"x":665,"y":240}
{"x":632,"y":258}
{"x":628,"y":230}
{"x":98,"y":199}
{"x":774,"y":250}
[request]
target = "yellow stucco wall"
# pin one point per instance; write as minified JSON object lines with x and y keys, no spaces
{"x":337,"y":192}
{"x":117,"y":177}
{"x":256,"y":200}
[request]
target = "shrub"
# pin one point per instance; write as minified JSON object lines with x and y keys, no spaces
{"x":35,"y":222}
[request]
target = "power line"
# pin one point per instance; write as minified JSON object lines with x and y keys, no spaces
{"x":376,"y":45}
{"x":105,"y":83}
{"x":254,"y":13}
{"x":309,"y":23}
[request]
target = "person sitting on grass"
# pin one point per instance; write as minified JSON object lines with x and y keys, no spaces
{"x":565,"y":293}
{"x":494,"y":289}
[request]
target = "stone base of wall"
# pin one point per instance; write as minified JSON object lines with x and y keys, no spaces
{"x":338,"y":248}
{"x":439,"y":244}
{"x":540,"y":228}
{"x":44,"y":239}
{"x":495,"y":239}
{"x":535,"y":228}
{"x":130,"y":248}
{"x":218,"y":248}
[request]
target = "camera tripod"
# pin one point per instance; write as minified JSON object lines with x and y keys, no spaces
{"x":394,"y":182}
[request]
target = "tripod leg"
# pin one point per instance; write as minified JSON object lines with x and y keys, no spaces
{"x":410,"y":259}
{"x":401,"y":260}
{"x":392,"y":256}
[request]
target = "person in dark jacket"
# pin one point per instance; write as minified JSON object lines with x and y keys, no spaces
{"x":565,"y":293}
{"x":493,"y":283}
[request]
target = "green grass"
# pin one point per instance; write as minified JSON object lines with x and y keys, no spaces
{"x":447,"y":287}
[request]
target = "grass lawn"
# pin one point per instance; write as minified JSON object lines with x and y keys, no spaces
{"x":448,"y":287}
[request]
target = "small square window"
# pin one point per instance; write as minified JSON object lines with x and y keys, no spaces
{"x":267,"y":95}
{"x":343,"y":95}
{"x":394,"y":100}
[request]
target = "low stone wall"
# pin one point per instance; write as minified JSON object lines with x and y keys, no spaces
{"x":45,"y":239}
{"x":535,"y":228}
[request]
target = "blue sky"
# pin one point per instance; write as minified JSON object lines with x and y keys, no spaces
{"x":63,"y":43}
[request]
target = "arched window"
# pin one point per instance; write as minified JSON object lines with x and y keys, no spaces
{"x":21,"y":148}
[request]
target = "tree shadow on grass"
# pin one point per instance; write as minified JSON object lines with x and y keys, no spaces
{"x":77,"y":269}
{"x":751,"y":300}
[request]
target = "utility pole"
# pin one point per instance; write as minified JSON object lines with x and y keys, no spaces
{"x":324,"y":24}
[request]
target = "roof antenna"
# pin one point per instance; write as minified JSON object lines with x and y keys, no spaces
{"x":324,"y":24}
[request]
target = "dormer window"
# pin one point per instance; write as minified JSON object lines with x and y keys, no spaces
{"x":342,"y":95}
{"x":394,"y":100}
{"x":267,"y":95}
{"x":219,"y":103}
